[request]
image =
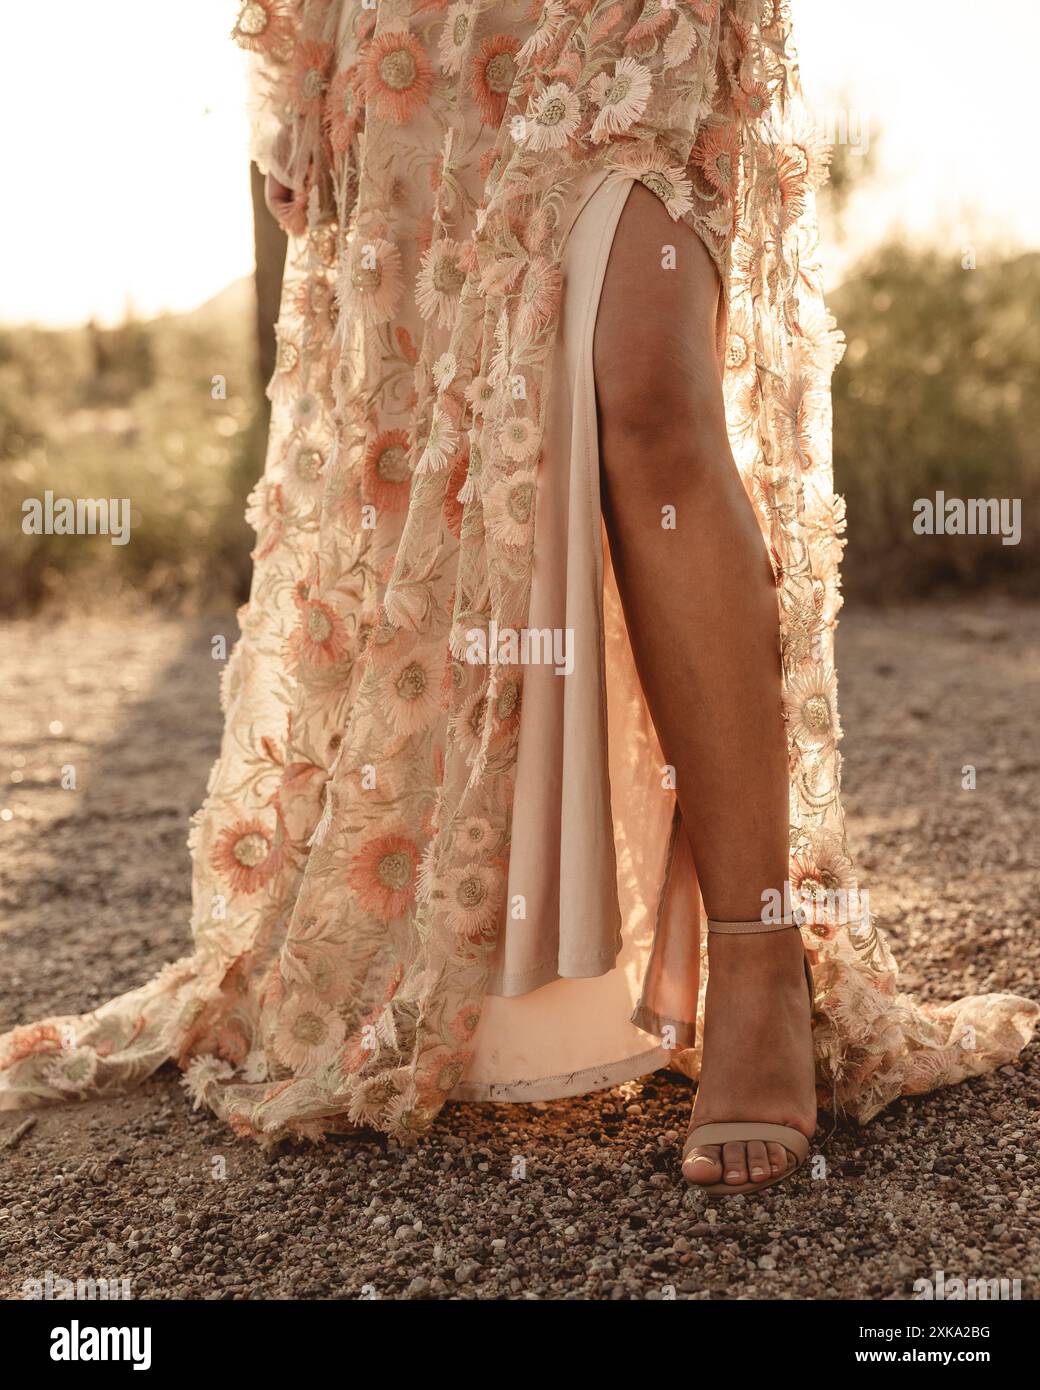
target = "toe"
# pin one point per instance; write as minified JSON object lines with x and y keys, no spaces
{"x":703,"y":1165}
{"x":777,"y":1159}
{"x":734,"y":1163}
{"x":757,"y":1161}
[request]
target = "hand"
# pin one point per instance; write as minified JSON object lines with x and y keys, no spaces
{"x":279,"y":201}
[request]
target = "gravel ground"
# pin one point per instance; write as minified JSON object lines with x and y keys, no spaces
{"x":575,"y":1199}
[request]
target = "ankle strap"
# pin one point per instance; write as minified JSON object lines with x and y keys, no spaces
{"x":753,"y":928}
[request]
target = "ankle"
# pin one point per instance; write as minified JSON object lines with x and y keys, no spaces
{"x":772,"y":954}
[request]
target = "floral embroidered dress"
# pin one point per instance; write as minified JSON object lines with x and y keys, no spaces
{"x":353,"y":861}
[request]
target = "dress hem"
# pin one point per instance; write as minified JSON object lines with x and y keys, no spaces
{"x":576,"y":1083}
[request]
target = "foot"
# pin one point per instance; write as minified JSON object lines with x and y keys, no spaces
{"x":758,"y":1055}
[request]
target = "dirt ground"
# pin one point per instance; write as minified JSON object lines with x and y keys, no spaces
{"x":578,"y":1199}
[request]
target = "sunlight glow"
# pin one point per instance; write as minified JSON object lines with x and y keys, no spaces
{"x":944,"y":85}
{"x":126,"y":169}
{"x":127,"y":179}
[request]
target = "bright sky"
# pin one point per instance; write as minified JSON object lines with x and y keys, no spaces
{"x":126,"y":174}
{"x":124,"y":165}
{"x":949,"y":85}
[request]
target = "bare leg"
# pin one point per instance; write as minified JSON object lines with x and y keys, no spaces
{"x":701,"y":609}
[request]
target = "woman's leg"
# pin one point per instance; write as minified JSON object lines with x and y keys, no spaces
{"x":701,"y":609}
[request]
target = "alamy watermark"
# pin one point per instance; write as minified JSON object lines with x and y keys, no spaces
{"x":817,"y":904}
{"x":77,"y":516}
{"x":941,"y":1288}
{"x":55,"y":1287}
{"x":81,"y":1343}
{"x":978,"y":516}
{"x":836,"y":125}
{"x":526,"y":646}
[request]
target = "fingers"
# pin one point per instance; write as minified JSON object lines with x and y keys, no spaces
{"x":279,"y":198}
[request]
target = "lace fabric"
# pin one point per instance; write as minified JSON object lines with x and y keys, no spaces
{"x":351,"y":858}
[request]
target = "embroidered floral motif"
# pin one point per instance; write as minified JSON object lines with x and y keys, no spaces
{"x":350,"y":859}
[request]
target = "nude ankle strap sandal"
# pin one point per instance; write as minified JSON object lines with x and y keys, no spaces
{"x":744,"y":1131}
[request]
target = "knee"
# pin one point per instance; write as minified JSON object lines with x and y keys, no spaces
{"x":659,"y":420}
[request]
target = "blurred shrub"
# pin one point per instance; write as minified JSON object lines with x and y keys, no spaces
{"x":939,"y":391}
{"x":130,"y":412}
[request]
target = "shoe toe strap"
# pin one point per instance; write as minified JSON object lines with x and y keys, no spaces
{"x":744,"y":1132}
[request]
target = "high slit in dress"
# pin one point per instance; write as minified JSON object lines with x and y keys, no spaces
{"x":598,"y":855}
